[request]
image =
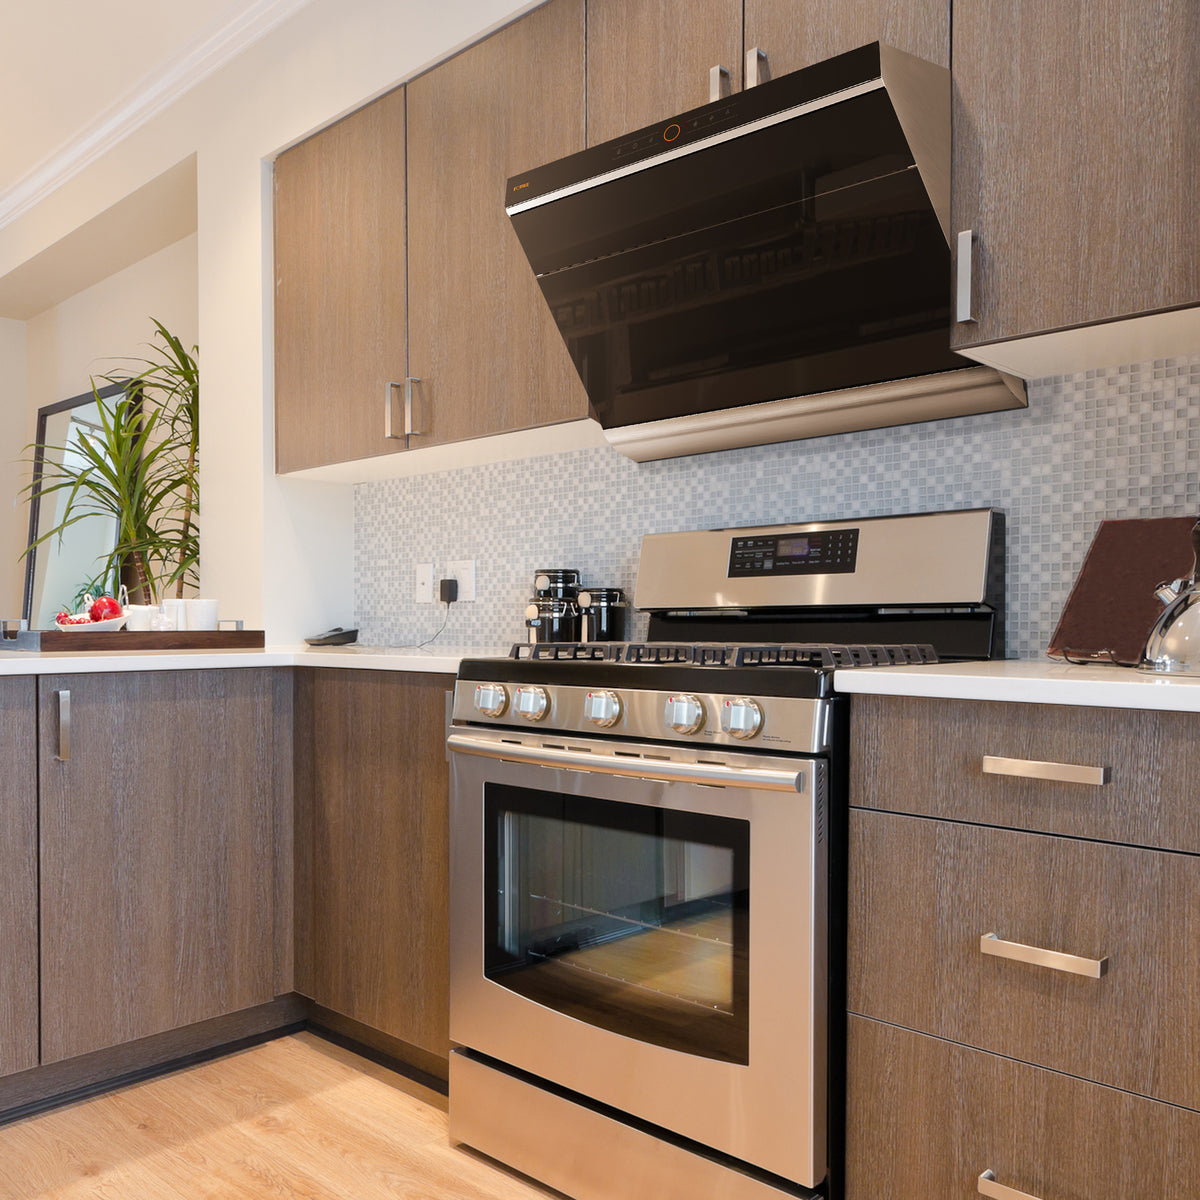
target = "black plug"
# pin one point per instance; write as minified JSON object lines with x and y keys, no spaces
{"x":448,"y":590}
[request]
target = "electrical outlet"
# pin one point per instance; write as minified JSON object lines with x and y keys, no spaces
{"x":424,"y":583}
{"x":464,"y":571}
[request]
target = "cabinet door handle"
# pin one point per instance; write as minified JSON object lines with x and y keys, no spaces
{"x":389,"y":398}
{"x":64,"y":726}
{"x":410,"y":426}
{"x":997,"y":1191}
{"x":1093,"y":968}
{"x":1029,"y":768}
{"x":389,"y":425}
{"x":962,"y":291}
{"x":758,"y":70}
{"x":718,"y":83}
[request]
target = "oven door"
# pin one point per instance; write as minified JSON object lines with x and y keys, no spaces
{"x":646,"y":926}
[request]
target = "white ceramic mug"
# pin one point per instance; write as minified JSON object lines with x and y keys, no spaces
{"x":200,"y":614}
{"x":137,"y":616}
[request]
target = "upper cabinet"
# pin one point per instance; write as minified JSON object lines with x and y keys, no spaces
{"x":1076,"y":161}
{"x":482,"y":341}
{"x":650,"y":59}
{"x":340,"y":319}
{"x":798,"y":33}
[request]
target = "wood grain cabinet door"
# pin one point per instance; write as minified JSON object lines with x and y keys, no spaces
{"x":926,"y":1118}
{"x":924,"y":894}
{"x":481,"y":338}
{"x":18,"y":875}
{"x":1076,"y":160}
{"x":798,"y":33}
{"x":157,"y":852}
{"x":372,"y":849}
{"x":954,"y":758}
{"x":340,"y":277}
{"x":648,"y":60}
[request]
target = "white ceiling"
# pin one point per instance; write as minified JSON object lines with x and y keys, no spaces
{"x":80,"y":74}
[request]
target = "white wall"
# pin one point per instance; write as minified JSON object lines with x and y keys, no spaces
{"x":14,"y":519}
{"x":276,"y":552}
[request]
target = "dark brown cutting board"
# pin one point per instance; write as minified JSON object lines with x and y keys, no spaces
{"x":1112,"y":606}
{"x":84,"y":641}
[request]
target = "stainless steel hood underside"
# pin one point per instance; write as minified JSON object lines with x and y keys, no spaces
{"x":772,"y":266}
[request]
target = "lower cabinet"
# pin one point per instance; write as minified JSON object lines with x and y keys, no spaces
{"x":18,"y":876}
{"x":927,"y":1118}
{"x":372,"y":850}
{"x":157,"y":862}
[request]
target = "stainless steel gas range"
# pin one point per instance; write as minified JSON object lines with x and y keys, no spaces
{"x":647,"y":858}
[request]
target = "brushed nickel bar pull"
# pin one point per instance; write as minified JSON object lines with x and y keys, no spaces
{"x":389,"y":392}
{"x":997,"y":1191}
{"x":64,"y":726}
{"x":409,"y":427}
{"x":962,"y":292}
{"x":757,"y":68}
{"x":1028,"y":768}
{"x":1093,"y":968}
{"x":718,"y":83}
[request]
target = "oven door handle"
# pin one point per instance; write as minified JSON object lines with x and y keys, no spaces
{"x":775,"y":779}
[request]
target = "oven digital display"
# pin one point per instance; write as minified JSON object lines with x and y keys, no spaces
{"x":826,"y":552}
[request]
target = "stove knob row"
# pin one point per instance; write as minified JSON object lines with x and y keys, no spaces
{"x":684,"y":713}
{"x":602,"y":708}
{"x":742,"y":718}
{"x":491,"y":699}
{"x":531,"y":702}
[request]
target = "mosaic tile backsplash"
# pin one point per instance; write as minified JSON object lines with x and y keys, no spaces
{"x":1123,"y":442}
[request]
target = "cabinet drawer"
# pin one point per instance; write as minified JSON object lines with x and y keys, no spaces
{"x":926,"y":1118}
{"x":923,"y":893}
{"x":927,"y":756}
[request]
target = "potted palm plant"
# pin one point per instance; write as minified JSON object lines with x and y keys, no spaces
{"x":139,"y":466}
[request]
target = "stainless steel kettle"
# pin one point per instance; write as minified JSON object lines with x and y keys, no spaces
{"x":1173,"y":646}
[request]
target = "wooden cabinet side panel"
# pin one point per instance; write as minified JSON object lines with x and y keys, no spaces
{"x":373,"y":820}
{"x":18,"y":876}
{"x":1076,"y":154}
{"x":340,"y":287}
{"x":925,"y":756}
{"x":648,"y":60}
{"x":926,"y":1118}
{"x":798,"y":33}
{"x":923,"y":892}
{"x":157,"y":845}
{"x":481,"y":337}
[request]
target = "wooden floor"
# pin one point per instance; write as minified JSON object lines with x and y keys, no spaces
{"x":295,"y":1117}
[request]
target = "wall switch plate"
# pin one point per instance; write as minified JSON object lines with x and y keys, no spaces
{"x":464,"y":571}
{"x":424,"y":583}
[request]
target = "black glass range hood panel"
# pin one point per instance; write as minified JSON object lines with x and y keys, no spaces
{"x":778,"y":258}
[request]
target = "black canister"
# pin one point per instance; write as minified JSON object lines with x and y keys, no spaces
{"x":602,"y":614}
{"x":552,"y":619}
{"x":558,"y":583}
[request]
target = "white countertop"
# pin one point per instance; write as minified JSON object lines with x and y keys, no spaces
{"x":1022,"y":681}
{"x":372,"y":658}
{"x":1030,"y":682}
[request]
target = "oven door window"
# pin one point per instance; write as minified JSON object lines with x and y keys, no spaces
{"x":632,"y":918}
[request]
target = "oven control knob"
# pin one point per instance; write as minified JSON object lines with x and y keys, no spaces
{"x":742,"y":718}
{"x":531,"y":702}
{"x":491,"y":699}
{"x":602,"y":708}
{"x":684,"y":714}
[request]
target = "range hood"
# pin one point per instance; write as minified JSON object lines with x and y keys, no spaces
{"x":774,"y":265}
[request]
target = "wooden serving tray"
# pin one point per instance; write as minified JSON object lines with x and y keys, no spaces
{"x":81,"y":641}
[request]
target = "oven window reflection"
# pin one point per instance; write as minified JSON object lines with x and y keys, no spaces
{"x":629,"y":917}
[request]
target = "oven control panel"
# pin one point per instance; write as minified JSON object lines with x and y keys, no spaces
{"x":821,"y":552}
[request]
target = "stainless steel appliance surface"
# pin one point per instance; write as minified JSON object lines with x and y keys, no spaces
{"x":771,"y":266}
{"x":647,"y":860}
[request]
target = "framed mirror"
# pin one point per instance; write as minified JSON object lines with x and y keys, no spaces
{"x":57,"y":570}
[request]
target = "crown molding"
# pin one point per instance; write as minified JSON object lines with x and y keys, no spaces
{"x":200,"y":57}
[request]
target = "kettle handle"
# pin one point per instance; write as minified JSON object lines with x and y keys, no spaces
{"x":1195,"y":552}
